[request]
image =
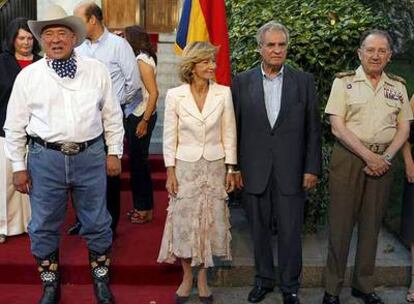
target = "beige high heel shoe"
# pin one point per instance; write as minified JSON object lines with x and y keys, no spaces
{"x":141,"y":217}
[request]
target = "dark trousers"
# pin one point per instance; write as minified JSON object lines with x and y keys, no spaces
{"x":355,"y":198}
{"x":141,"y":183}
{"x":287,"y":210}
{"x":113,"y":199}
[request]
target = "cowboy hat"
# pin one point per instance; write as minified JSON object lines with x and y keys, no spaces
{"x":56,"y":15}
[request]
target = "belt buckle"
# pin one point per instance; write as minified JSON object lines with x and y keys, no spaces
{"x":375,"y":148}
{"x":70,"y":148}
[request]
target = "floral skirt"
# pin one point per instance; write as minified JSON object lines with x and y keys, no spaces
{"x":198,"y":225}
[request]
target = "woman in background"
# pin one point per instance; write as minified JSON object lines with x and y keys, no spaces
{"x":140,"y":121}
{"x":20,"y":50}
{"x":407,"y":221}
{"x":199,"y":146}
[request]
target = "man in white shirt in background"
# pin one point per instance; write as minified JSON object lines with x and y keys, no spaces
{"x":118,"y":56}
{"x":65,"y":104}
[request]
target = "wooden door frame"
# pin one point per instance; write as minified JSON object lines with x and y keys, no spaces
{"x":139,"y":14}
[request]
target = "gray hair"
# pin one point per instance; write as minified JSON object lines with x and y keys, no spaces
{"x":271,"y":26}
{"x":376,"y":32}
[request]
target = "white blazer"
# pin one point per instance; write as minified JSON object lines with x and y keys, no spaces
{"x":190,"y":134}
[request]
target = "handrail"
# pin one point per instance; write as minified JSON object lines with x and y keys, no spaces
{"x":3,"y":2}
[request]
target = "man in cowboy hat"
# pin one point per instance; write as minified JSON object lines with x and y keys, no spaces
{"x":65,"y":104}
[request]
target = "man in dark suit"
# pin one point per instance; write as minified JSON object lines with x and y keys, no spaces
{"x":279,"y":144}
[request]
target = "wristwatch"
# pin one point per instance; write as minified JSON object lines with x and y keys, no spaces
{"x":231,"y":170}
{"x":387,"y":157}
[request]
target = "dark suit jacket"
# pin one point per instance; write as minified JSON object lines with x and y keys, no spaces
{"x":9,"y":68}
{"x":292,"y":147}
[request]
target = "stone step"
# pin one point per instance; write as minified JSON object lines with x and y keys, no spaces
{"x":161,"y":97}
{"x":167,"y":37}
{"x":168,"y":68}
{"x":393,"y":259}
{"x":167,"y":58}
{"x":237,"y":295}
{"x":155,"y":147}
{"x":164,"y":49}
{"x":157,"y":133}
{"x":168,"y":80}
{"x":160,"y":112}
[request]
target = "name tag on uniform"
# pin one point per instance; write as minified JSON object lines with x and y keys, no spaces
{"x":393,"y":95}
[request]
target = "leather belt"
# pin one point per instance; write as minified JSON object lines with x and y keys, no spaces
{"x":376,"y":148}
{"x":69,"y":148}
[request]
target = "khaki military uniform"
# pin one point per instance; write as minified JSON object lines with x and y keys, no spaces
{"x":372,"y":114}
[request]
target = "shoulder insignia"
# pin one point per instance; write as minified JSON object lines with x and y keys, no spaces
{"x":397,"y":78}
{"x":345,"y":74}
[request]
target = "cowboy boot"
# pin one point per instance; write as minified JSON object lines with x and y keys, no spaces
{"x":100,"y":274}
{"x":49,"y":275}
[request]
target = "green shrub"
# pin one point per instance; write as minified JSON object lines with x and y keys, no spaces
{"x":401,"y":15}
{"x":324,"y":38}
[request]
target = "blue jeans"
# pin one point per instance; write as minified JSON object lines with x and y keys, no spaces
{"x":53,"y":175}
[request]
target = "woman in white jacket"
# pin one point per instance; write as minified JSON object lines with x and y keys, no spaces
{"x":199,"y":146}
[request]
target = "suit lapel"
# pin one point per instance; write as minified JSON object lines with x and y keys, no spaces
{"x":257,"y":96}
{"x":212,"y":100}
{"x":289,"y":89}
{"x":188,"y":103}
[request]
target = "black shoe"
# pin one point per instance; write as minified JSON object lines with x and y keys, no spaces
{"x":100,"y":275}
{"x":180,"y":299}
{"x":258,"y":293}
{"x":290,"y":298}
{"x":50,"y":277}
{"x":74,"y":230}
{"x":330,"y":299}
{"x":368,"y":298}
{"x":206,"y":300}
{"x":51,"y":294}
{"x":102,"y":292}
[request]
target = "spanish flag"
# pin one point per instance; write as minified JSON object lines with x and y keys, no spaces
{"x":205,"y":20}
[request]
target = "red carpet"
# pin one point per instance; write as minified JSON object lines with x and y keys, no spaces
{"x":83,"y":294}
{"x":135,"y":251}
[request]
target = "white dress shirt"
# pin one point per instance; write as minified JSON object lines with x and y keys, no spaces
{"x":62,"y":109}
{"x":118,"y":56}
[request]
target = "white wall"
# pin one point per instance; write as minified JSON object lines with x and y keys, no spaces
{"x":68,"y":5}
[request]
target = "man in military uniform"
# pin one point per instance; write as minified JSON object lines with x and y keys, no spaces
{"x":369,"y":114}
